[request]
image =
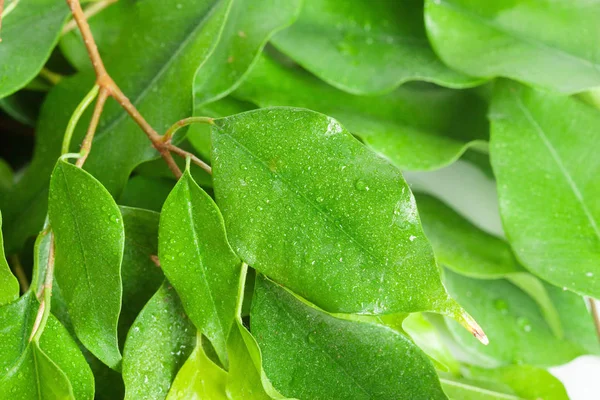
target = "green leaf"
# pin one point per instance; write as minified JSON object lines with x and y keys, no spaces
{"x":548,"y":188}
{"x":516,"y":326}
{"x":55,"y":364}
{"x":198,"y":261}
{"x":89,"y":237}
{"x":460,"y":245}
{"x":366,"y":47}
{"x":9,"y":286}
{"x":24,"y":50}
{"x":308,"y":205}
{"x":146,"y":192}
{"x":415,"y":126}
{"x":249,"y":25}
{"x":157,"y":345}
{"x":199,"y":378}
{"x":304,"y":350}
{"x":140,"y":275}
{"x":548,"y":43}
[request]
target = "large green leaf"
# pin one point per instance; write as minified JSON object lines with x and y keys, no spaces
{"x":9,"y":286}
{"x":89,"y":238}
{"x":52,"y":367}
{"x":515,"y":324}
{"x":549,"y":43}
{"x":548,"y":188}
{"x":366,"y":47}
{"x":308,"y":205}
{"x":29,"y":32}
{"x":306,"y":350}
{"x":417,"y":127}
{"x":157,"y":345}
{"x":198,"y":261}
{"x":249,"y":25}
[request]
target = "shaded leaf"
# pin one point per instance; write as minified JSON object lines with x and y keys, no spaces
{"x":89,"y":237}
{"x":198,"y":261}
{"x":417,"y":127}
{"x":9,"y":286}
{"x":310,"y":206}
{"x":146,"y":192}
{"x":304,"y":350}
{"x":366,"y":47}
{"x":548,"y":43}
{"x":157,"y":345}
{"x":548,"y":188}
{"x":23,"y":56}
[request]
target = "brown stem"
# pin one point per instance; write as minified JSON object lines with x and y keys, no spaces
{"x":44,"y":309}
{"x":89,"y":12}
{"x":86,"y":145}
{"x":186,"y":154}
{"x":19,"y":272}
{"x":1,"y":10}
{"x":595,"y":315}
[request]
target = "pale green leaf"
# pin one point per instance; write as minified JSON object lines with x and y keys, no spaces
{"x":9,"y":286}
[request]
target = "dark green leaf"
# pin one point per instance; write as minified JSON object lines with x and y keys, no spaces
{"x":89,"y":237}
{"x":249,"y":25}
{"x":308,"y":205}
{"x":198,"y":261}
{"x":305,"y":350}
{"x":9,"y":286}
{"x":29,"y":32}
{"x":146,"y":192}
{"x":550,"y":43}
{"x":548,"y":188}
{"x":417,"y":127}
{"x":158,"y":343}
{"x":366,"y":47}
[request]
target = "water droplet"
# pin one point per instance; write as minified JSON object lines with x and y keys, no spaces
{"x":412,"y":237}
{"x":312,"y":337}
{"x":259,"y":208}
{"x":361,"y":185}
{"x":501,"y":306}
{"x":524,"y":324}
{"x":589,"y":274}
{"x":320,"y":199}
{"x":114,"y":218}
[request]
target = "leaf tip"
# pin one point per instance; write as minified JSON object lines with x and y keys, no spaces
{"x":472,"y":326}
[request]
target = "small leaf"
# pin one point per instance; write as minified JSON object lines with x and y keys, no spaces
{"x":22,"y":56}
{"x":516,"y":326}
{"x":89,"y":237}
{"x":304,"y":350}
{"x":547,"y":43}
{"x":240,"y":43}
{"x":9,"y":286}
{"x":548,"y":188}
{"x":366,"y":47}
{"x":415,"y":127}
{"x":157,"y":345}
{"x":198,"y":261}
{"x":308,"y":205}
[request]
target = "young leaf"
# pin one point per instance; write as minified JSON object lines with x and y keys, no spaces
{"x":198,"y":261}
{"x":157,"y":345}
{"x":548,"y":43}
{"x":248,"y":27}
{"x":22,"y":55}
{"x":9,"y":286}
{"x":515,"y":325}
{"x":89,"y":237}
{"x":304,"y":350}
{"x":366,"y":47}
{"x":415,"y":127}
{"x":199,"y":378}
{"x":548,"y":188}
{"x":308,"y":205}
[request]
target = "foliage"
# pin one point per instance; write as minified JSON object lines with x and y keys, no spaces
{"x":216,"y":207}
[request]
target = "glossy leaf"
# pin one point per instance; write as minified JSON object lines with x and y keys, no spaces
{"x":366,"y":47}
{"x":515,"y":325}
{"x":9,"y":286}
{"x":304,"y":350}
{"x":547,"y":43}
{"x":308,"y":205}
{"x":22,"y":56}
{"x":89,"y":237}
{"x":248,"y":27}
{"x":198,"y":261}
{"x":417,"y":127}
{"x":199,"y":378}
{"x":51,"y":368}
{"x":6,"y":176}
{"x":140,"y":275}
{"x":157,"y":345}
{"x":548,"y":188}
{"x":146,"y":192}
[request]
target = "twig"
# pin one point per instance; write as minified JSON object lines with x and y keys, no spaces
{"x":186,"y":154}
{"x":86,"y":145}
{"x":43,"y":312}
{"x":89,"y":12}
{"x":1,"y":11}
{"x":595,"y":315}
{"x":79,"y":110}
{"x":166,"y":138}
{"x":19,"y":272}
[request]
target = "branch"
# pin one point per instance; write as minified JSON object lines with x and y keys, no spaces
{"x":86,"y":145}
{"x":595,"y":315}
{"x":1,"y":11}
{"x":89,"y":12}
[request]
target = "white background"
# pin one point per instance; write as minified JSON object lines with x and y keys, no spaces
{"x":465,"y":188}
